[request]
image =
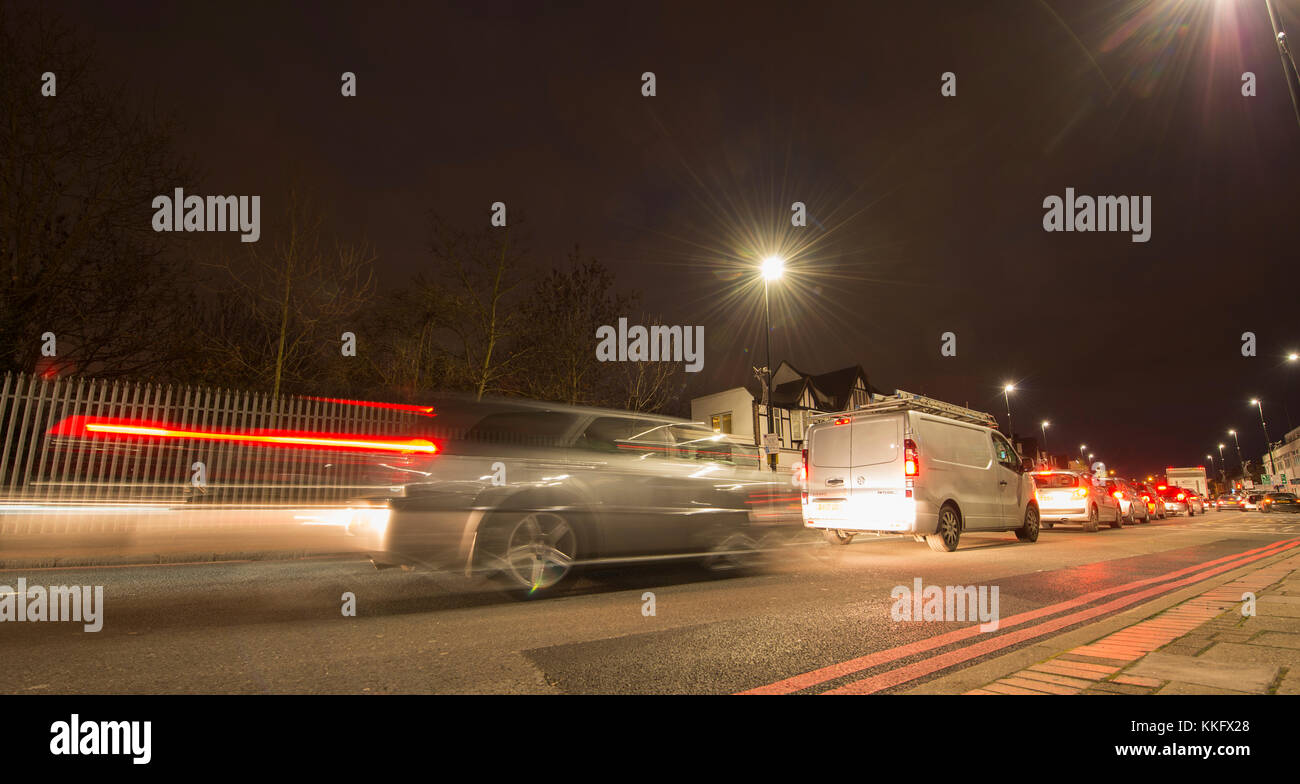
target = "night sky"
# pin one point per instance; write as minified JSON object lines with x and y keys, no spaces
{"x":925,"y":212}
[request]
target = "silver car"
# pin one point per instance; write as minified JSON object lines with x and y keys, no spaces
{"x":1131,"y":505}
{"x":1076,"y":497}
{"x":528,"y":493}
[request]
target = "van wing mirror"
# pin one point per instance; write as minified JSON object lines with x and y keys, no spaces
{"x":1027,"y":463}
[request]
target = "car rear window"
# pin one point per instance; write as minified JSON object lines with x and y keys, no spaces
{"x":1056,"y":480}
{"x":1284,"y":496}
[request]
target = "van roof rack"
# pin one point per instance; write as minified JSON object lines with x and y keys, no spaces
{"x":902,"y":401}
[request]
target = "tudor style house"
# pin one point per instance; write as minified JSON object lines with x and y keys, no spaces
{"x":795,"y":395}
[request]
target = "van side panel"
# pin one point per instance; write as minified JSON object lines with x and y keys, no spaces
{"x":957,"y":463}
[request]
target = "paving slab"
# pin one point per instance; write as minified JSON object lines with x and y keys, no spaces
{"x":1251,"y":678}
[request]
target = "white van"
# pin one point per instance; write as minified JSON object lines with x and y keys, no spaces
{"x":904,"y":463}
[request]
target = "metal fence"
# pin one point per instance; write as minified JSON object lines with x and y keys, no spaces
{"x":79,"y":440}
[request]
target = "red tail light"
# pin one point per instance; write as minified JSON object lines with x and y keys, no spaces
{"x":1081,"y":492}
{"x":1181,"y":496}
{"x":911,"y":464}
{"x":1119,"y":495}
{"x":842,"y":421}
{"x":1146,"y":498}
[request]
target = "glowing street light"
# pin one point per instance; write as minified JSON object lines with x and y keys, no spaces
{"x":1045,"y":424}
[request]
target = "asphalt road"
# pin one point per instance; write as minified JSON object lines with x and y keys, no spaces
{"x":278,"y":627}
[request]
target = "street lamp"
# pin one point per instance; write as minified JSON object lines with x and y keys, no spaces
{"x":1045,"y":424}
{"x":1007,"y":389}
{"x":1240,"y":462}
{"x":1223,"y":471}
{"x":773,"y":268}
{"x":1272,"y":467}
{"x":1081,"y":448}
{"x":1211,"y":457}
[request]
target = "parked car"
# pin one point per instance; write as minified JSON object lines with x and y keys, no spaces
{"x":529,"y":493}
{"x":908,"y":464}
{"x":1279,"y":502}
{"x":1250,"y":502}
{"x":1076,"y":497}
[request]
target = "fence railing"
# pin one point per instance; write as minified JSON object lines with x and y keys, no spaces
{"x":79,"y":440}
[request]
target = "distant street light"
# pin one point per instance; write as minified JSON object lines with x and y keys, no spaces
{"x":1223,"y":469}
{"x":1081,"y":448}
{"x":1240,"y":461}
{"x":1045,"y":424}
{"x":1272,"y":466}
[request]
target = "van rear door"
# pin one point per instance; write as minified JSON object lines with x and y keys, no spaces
{"x":829,"y":445}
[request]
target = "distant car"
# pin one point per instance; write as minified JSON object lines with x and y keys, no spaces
{"x":1130,"y":501}
{"x":1279,"y":502}
{"x":1195,"y":502}
{"x":1152,"y":499}
{"x":1074,"y":497}
{"x":1229,"y":502}
{"x":1174,"y":500}
{"x":1250,"y":502}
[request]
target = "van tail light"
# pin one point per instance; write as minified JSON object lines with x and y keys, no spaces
{"x":842,"y":421}
{"x":911,"y":464}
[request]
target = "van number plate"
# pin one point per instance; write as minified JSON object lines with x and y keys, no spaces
{"x":833,"y":506}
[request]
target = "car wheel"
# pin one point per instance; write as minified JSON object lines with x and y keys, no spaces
{"x":836,"y":536}
{"x":1131,"y":517}
{"x":1118,"y":521}
{"x":1029,"y":531}
{"x":531,"y":552}
{"x":949,"y":534}
{"x":732,"y":552}
{"x":1093,"y":518}
{"x":1045,"y":524}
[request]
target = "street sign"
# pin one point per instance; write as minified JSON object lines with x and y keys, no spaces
{"x":1263,"y":479}
{"x":771,"y":443}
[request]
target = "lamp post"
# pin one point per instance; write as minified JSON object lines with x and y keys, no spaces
{"x":1272,"y":467}
{"x":773,"y":268}
{"x":1082,"y":458}
{"x":1223,"y":471}
{"x":1007,"y":389}
{"x":1240,"y":462}
{"x":1212,"y":470}
{"x":1049,"y":457}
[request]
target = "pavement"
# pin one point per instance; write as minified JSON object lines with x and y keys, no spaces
{"x":815,"y":620}
{"x":1242,"y":637}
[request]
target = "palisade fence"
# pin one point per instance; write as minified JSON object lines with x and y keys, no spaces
{"x":51,"y":456}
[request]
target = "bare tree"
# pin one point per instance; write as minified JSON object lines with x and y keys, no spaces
{"x":291,"y":303}
{"x":565,"y":310}
{"x":479,"y":314}
{"x":78,"y":173}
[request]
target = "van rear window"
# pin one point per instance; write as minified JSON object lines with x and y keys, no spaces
{"x":830,"y":447}
{"x":1055,"y":480}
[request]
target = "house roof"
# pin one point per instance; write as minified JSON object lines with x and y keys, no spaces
{"x":830,"y":391}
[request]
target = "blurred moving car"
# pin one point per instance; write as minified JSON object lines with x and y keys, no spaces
{"x":530,"y":492}
{"x":1279,"y":502}
{"x":1074,"y":497}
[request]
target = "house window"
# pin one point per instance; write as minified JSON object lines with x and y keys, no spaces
{"x":721,"y":423}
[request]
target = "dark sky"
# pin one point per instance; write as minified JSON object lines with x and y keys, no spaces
{"x":925,"y":212}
